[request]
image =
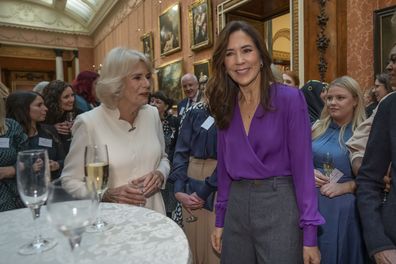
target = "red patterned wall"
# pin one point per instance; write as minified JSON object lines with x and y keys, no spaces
{"x":360,"y":50}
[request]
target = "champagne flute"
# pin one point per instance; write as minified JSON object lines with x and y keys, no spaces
{"x":33,"y":177}
{"x":328,"y":166}
{"x":71,"y":214}
{"x":69,"y":120}
{"x":96,"y":160}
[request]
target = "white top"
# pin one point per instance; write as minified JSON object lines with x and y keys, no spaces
{"x":132,"y":153}
{"x":138,"y":236}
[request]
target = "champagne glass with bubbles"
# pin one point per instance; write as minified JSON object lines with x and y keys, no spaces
{"x":328,"y":166}
{"x":96,"y":160}
{"x":33,"y":177}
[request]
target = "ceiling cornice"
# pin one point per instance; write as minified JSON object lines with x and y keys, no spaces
{"x":35,"y":16}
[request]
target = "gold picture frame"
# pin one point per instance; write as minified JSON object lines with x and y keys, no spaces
{"x":170,"y":30}
{"x":148,"y":45}
{"x":200,"y":21}
{"x":203,"y":71}
{"x":169,"y":77}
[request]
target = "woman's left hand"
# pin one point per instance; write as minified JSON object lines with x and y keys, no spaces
{"x":311,"y":255}
{"x":336,"y":189}
{"x":151,"y":182}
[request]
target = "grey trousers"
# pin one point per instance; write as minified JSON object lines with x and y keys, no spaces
{"x":261,"y":223}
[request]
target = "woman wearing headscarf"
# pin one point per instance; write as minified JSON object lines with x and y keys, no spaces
{"x":314,"y":92}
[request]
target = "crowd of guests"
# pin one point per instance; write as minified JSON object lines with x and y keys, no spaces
{"x":253,"y":170}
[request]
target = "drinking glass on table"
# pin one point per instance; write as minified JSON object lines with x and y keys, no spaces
{"x":96,"y":161}
{"x":71,"y":214}
{"x":33,"y":178}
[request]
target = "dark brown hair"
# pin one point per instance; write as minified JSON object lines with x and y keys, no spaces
{"x":221,"y":90}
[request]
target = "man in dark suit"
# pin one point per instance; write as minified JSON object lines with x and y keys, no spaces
{"x":378,"y":216}
{"x":189,"y":83}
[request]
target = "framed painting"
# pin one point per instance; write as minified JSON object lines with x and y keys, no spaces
{"x":169,"y":76}
{"x":169,"y":28}
{"x":384,"y":37}
{"x":200,"y":16}
{"x":147,"y":43}
{"x":203,"y":70}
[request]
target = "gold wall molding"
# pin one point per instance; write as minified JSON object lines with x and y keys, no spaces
{"x":116,"y":16}
{"x":27,"y":37}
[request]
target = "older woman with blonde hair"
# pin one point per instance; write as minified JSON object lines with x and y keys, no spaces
{"x":138,"y":164}
{"x":342,"y":114}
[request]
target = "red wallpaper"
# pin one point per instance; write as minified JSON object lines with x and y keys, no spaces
{"x":360,"y":50}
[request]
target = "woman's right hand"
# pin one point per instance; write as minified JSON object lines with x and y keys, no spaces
{"x":320,"y":178}
{"x":217,"y":239}
{"x":63,"y":128}
{"x":126,"y":194}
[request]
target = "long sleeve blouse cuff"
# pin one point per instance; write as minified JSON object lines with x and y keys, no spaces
{"x":220,"y":214}
{"x":310,"y":235}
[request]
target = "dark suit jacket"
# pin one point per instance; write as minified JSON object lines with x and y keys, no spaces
{"x":182,"y":105}
{"x":379,"y":219}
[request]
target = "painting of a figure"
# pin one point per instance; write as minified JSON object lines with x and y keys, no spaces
{"x":169,"y":27}
{"x":169,"y":76}
{"x":147,"y":42}
{"x":384,"y":36}
{"x":200,"y":24}
{"x":202,"y":69}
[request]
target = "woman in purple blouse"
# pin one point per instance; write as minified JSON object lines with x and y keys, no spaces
{"x":266,"y":202}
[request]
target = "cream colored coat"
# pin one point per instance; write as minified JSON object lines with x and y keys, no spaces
{"x":131,"y":153}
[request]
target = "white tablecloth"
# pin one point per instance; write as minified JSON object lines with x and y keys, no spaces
{"x":139,"y":236}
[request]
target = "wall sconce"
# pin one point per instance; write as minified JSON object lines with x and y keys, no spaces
{"x":97,"y":69}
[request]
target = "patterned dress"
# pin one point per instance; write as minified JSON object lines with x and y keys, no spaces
{"x":13,"y":141}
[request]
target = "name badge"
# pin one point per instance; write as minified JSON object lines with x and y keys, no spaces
{"x":4,"y":143}
{"x":181,"y":110}
{"x":208,"y":123}
{"x":45,"y":142}
{"x":335,"y":175}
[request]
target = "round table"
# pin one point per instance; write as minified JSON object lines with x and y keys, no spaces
{"x":139,"y":236}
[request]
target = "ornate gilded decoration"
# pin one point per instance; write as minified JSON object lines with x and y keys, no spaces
{"x":322,"y":41}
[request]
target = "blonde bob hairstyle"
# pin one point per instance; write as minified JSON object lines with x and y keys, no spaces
{"x":359,"y":115}
{"x":118,"y":64}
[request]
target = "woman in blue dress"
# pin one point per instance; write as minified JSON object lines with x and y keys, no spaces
{"x":340,"y":238}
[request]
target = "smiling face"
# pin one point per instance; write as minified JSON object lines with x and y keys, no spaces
{"x":242,"y":59}
{"x":66,"y":100}
{"x":137,"y":87}
{"x":190,"y":86}
{"x":38,"y":110}
{"x":340,"y":104}
{"x":391,"y":67}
